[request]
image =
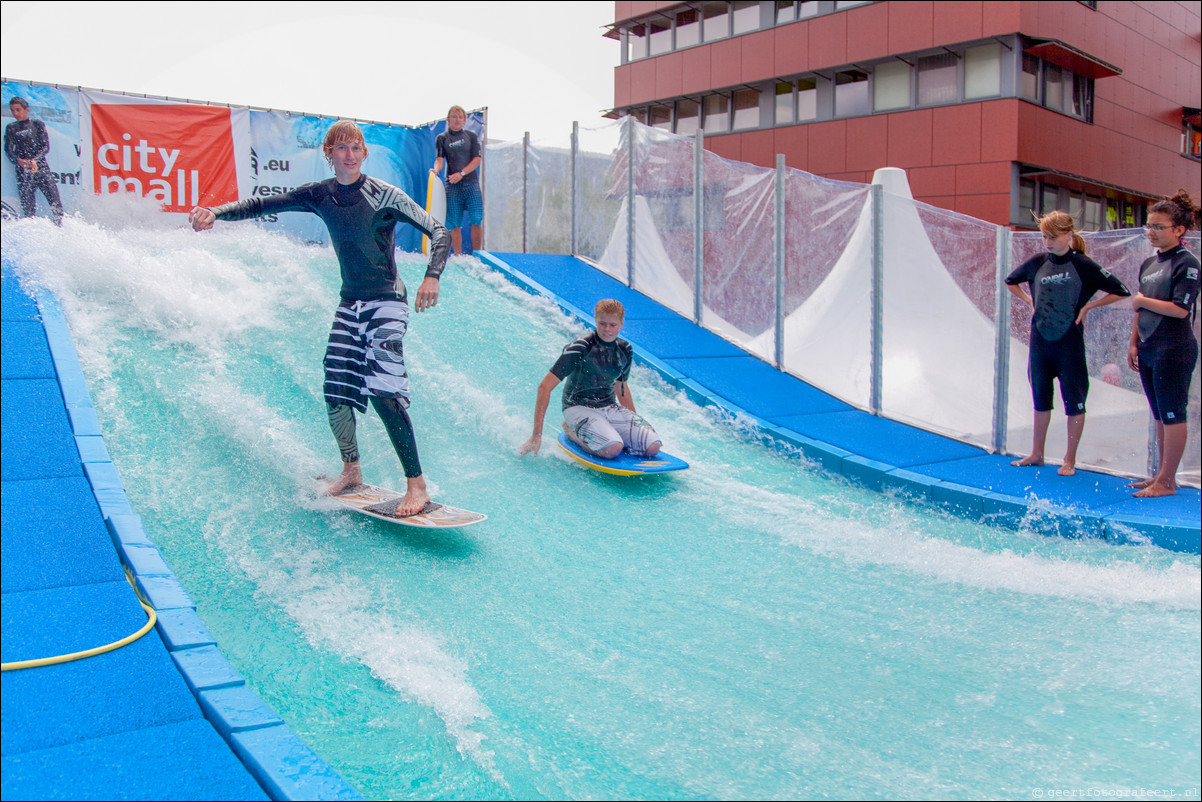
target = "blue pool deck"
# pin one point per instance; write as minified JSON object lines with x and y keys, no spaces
{"x":167,"y":717}
{"x":871,"y":451}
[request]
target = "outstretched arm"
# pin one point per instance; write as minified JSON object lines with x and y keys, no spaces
{"x":541,"y":402}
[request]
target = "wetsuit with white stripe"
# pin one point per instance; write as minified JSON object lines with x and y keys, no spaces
{"x":1168,"y":350}
{"x":364,"y":355}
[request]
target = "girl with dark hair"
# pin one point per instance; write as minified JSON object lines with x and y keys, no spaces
{"x":1163,"y":347}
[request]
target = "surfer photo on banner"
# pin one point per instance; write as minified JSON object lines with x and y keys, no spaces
{"x":598,"y":408}
{"x":364,"y":359}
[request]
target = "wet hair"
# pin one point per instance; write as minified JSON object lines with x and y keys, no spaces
{"x":608,"y":306}
{"x":1180,"y":208}
{"x":340,"y":132}
{"x":454,"y":109}
{"x":1053,"y":224}
{"x":18,"y":101}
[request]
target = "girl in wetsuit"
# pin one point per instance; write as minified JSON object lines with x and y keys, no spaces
{"x":1163,"y":347}
{"x":1062,"y":281}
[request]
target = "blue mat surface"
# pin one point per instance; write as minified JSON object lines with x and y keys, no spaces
{"x":36,"y":438}
{"x":864,"y":448}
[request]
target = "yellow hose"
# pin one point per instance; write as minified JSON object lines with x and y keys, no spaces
{"x":66,"y":658}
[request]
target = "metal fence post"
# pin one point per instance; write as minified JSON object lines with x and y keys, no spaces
{"x":575,"y":156}
{"x":698,"y":226}
{"x":1001,"y":353}
{"x":525,"y":183}
{"x":778,"y":256}
{"x":877,"y":286}
{"x":630,"y":132}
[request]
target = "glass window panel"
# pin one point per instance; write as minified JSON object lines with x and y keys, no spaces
{"x":807,"y":99}
{"x":786,"y":11}
{"x":716,"y":21}
{"x":746,"y":16}
{"x":806,"y":10}
{"x":1050,"y":200}
{"x":1030,"y":78}
{"x":1082,"y":97}
{"x":784,"y":102}
{"x":1076,"y":207}
{"x":845,"y":4}
{"x":688,"y":28}
{"x":983,"y":71}
{"x":747,"y":109}
{"x":661,"y":36}
{"x":891,"y":85}
{"x":688,"y":116}
{"x":1026,"y":202}
{"x":717,"y":114}
{"x":1053,"y":87}
{"x":636,"y":37}
{"x":851,"y":93}
{"x":1093,"y":214}
{"x":937,"y":79}
{"x":661,"y":117}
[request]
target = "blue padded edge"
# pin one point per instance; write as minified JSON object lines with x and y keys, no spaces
{"x":272,"y":761}
{"x":287,"y":767}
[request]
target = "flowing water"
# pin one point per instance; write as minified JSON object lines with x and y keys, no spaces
{"x":746,"y":629}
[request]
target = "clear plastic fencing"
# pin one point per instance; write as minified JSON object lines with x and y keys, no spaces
{"x":892,"y":305}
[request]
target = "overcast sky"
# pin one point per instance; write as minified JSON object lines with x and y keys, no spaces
{"x":536,"y":66}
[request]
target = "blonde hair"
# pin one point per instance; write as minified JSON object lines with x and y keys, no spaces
{"x":1054,"y":224}
{"x":608,"y":306}
{"x":340,"y":132}
{"x":454,"y":109}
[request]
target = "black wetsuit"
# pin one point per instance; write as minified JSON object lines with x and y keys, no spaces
{"x":589,"y":366}
{"x":361,"y":218}
{"x":1060,"y":286}
{"x":1168,"y":350}
{"x":27,"y":139}
{"x":458,"y":148}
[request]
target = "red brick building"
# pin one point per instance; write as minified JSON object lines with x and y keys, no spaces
{"x":995,"y":109}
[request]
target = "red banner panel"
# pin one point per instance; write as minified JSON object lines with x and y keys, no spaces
{"x":182,"y":156}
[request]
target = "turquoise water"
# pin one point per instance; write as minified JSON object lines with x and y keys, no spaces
{"x":747,"y":629}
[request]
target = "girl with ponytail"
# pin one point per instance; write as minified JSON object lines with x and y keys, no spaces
{"x":1062,"y":281}
{"x":1163,"y":347}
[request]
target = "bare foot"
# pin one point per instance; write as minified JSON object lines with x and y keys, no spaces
{"x":1141,"y":484}
{"x":1025,"y":461}
{"x":416,"y":497}
{"x":351,"y":475}
{"x":1156,"y":490}
{"x":1067,"y":469}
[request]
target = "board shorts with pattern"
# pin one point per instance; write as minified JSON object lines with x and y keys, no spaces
{"x":601,"y":427}
{"x":464,"y":196}
{"x":365,"y":355}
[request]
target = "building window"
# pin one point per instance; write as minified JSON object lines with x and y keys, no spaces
{"x":661,"y":36}
{"x":1056,"y":88}
{"x":891,"y":86}
{"x":983,"y":71}
{"x":660,"y":117}
{"x":851,"y":93}
{"x":745,"y":16}
{"x":717,"y":114}
{"x":784,"y":103}
{"x":636,"y":40}
{"x":715,"y":21}
{"x":688,"y":116}
{"x":1093,"y":214}
{"x":937,"y":79}
{"x":747,"y":109}
{"x":807,"y":99}
{"x":688,"y":28}
{"x":786,"y":11}
{"x":1191,"y":138}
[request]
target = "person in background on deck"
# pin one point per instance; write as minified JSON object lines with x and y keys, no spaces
{"x":365,"y":355}
{"x":460,"y":150}
{"x":26,"y":145}
{"x":1062,"y":281}
{"x":1163,"y":347}
{"x":598,"y":408}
